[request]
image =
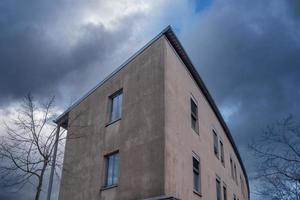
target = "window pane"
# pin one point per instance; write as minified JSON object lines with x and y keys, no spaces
{"x":231,"y":167}
{"x":224,"y":193}
{"x":222,"y":152}
{"x":194,"y":122}
{"x":112,"y":175}
{"x":216,"y":148}
{"x":235,"y":174}
{"x":116,"y":107}
{"x":195,"y":164}
{"x":109,"y":180}
{"x":196,"y":181}
{"x":196,"y":174}
{"x":194,"y":115}
{"x":194,"y":108}
{"x":218,"y":189}
{"x":116,"y":169}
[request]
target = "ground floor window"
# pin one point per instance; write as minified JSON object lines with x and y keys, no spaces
{"x":112,"y":169}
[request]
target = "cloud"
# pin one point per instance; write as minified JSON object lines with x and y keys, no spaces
{"x":247,"y":52}
{"x":248,"y":55}
{"x":41,"y":43}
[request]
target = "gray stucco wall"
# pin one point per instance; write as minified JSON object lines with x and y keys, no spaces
{"x":138,"y":135}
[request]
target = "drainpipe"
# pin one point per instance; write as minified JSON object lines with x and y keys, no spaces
{"x":53,"y":163}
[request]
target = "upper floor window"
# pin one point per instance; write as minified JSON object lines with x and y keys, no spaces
{"x":242,"y":185}
{"x":222,"y":152}
{"x":224,"y":193}
{"x":216,"y":147}
{"x":194,"y":115}
{"x":112,"y":169}
{"x":235,"y":174}
{"x":196,"y":173}
{"x":234,"y":197}
{"x":218,"y":189}
{"x":116,"y":106}
{"x":231,"y":168}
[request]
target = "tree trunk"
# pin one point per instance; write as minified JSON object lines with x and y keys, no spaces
{"x":40,"y":184}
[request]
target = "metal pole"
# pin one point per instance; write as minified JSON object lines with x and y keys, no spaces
{"x":53,"y":163}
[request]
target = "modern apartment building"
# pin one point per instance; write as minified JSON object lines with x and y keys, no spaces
{"x":151,"y":130}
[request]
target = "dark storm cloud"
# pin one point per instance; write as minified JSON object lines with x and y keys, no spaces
{"x":41,"y":43}
{"x":248,"y":53}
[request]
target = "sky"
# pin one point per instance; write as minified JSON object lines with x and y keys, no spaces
{"x":246,"y":51}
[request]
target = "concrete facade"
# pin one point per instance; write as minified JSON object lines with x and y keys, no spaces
{"x":154,"y":137}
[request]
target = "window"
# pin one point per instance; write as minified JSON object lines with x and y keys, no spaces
{"x":231,"y":168}
{"x":218,"y":188}
{"x":194,"y":115}
{"x":235,"y":174}
{"x":222,"y":153}
{"x":116,"y":106}
{"x":112,"y":169}
{"x":216,"y":147}
{"x":224,"y":193}
{"x":196,"y":173}
{"x":242,"y":185}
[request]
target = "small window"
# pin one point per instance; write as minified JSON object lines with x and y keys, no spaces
{"x":242,"y":185}
{"x":216,"y":147}
{"x":218,"y":189}
{"x":231,"y":168}
{"x":194,"y":116}
{"x":235,"y":174}
{"x":196,"y":173}
{"x":222,"y":153}
{"x":234,"y":197}
{"x":112,"y":169}
{"x":116,"y":106}
{"x":224,"y":193}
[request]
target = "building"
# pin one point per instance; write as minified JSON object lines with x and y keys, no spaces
{"x":151,"y":130}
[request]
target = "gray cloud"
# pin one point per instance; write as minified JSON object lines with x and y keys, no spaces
{"x":39,"y":48}
{"x":47,"y":48}
{"x":248,"y":54}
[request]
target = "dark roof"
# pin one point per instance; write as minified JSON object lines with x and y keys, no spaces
{"x":170,"y":35}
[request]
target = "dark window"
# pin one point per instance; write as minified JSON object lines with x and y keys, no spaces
{"x":112,"y":169}
{"x":194,"y":115}
{"x":224,"y":193}
{"x":231,"y":168}
{"x":196,"y":173}
{"x":242,"y":185}
{"x":222,"y":152}
{"x":116,"y":106}
{"x":218,"y":189}
{"x":235,"y":174}
{"x":216,"y":147}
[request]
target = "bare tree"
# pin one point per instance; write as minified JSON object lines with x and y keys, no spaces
{"x":278,"y":154}
{"x":26,"y":150}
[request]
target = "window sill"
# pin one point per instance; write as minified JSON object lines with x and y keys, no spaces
{"x":108,"y":187}
{"x":112,"y":122}
{"x":197,"y":193}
